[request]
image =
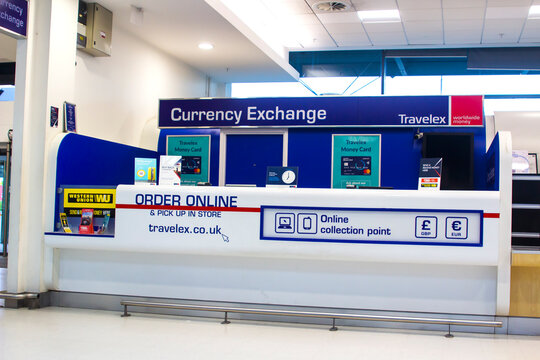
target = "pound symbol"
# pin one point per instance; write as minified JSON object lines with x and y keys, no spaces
{"x":426,"y":225}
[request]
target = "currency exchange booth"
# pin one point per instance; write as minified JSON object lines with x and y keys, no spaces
{"x":355,"y":232}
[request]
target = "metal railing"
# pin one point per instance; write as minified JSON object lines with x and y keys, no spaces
{"x":20,"y":296}
{"x":333,"y":316}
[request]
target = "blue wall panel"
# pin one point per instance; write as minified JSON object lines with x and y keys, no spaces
{"x":311,"y":149}
{"x":83,"y":160}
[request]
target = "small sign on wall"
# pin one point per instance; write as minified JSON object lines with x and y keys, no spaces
{"x":70,"y":124}
{"x":54,"y":116}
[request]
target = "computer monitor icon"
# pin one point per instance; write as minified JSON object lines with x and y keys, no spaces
{"x":284,"y":223}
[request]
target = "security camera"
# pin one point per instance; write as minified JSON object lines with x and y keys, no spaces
{"x":418,"y":135}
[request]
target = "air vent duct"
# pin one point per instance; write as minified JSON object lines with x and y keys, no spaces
{"x":330,"y":6}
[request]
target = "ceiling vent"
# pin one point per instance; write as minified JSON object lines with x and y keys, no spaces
{"x":331,"y":6}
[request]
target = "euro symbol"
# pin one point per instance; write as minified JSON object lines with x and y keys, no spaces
{"x":456,"y":225}
{"x":426,"y":225}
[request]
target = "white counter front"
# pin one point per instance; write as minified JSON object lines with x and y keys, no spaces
{"x":354,"y":225}
{"x":432,"y":251}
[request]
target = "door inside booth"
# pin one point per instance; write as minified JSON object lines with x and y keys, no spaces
{"x":247,"y":155}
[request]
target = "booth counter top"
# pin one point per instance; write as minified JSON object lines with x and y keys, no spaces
{"x":369,"y":225}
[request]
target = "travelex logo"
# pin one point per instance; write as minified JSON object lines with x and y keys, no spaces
{"x":251,"y":113}
{"x":405,"y":119}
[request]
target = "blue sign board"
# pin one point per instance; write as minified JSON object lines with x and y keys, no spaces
{"x":13,"y":16}
{"x":69,"y":117}
{"x":406,"y":111}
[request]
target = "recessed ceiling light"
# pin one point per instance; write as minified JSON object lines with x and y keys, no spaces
{"x":534,"y":12}
{"x":206,"y":46}
{"x":379,"y":16}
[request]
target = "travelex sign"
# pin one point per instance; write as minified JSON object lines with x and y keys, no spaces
{"x":415,"y":111}
{"x":13,"y":16}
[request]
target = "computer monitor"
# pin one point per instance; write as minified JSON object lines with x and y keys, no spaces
{"x":457,"y":151}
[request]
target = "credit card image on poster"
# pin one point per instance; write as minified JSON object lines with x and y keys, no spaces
{"x":356,"y":165}
{"x":191,"y":165}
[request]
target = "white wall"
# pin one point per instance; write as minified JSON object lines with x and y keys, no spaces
{"x":524,"y":126}
{"x":117,"y":96}
{"x":6,"y":119}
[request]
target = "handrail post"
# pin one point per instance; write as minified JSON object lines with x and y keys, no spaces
{"x":125,"y":314}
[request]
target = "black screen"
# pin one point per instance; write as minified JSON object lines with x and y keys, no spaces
{"x":458,"y":161}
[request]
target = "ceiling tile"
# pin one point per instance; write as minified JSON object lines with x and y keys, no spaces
{"x":423,"y":26}
{"x":533,"y":25}
{"x":388,"y":38}
{"x":301,"y":19}
{"x":314,"y":30}
{"x":350,"y":36}
{"x":333,"y":18}
{"x":462,"y":37}
{"x":457,"y":4}
{"x":507,"y":12}
{"x":289,"y":7}
{"x":423,"y":14}
{"x":496,"y":39}
{"x":344,"y":28}
{"x":418,"y":4}
{"x":465,"y":25}
{"x":426,"y":41}
{"x":374,"y":4}
{"x":508,"y":3}
{"x":383,"y":27}
{"x":319,"y":43}
{"x":353,"y":43}
{"x":476,"y":13}
{"x":535,"y":40}
{"x":503,"y":26}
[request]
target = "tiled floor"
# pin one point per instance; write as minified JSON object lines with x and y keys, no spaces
{"x":60,"y":333}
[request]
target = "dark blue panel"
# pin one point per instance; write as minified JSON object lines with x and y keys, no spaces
{"x":214,"y":147}
{"x":88,"y":162}
{"x":310,"y":150}
{"x":248,"y":156}
{"x":84,"y":160}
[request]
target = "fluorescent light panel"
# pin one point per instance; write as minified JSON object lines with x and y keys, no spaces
{"x":206,"y":46}
{"x":379,"y":16}
{"x":534,"y":12}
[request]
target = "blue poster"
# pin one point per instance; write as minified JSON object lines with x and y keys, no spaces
{"x":70,"y":124}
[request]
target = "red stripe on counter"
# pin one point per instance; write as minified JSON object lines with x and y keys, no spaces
{"x":193,"y":208}
{"x":492,"y":215}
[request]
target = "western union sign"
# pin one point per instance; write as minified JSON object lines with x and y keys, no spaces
{"x":90,"y":198}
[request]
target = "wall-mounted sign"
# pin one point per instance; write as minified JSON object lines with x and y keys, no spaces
{"x":356,"y":160}
{"x":13,"y":17}
{"x":54,"y":116}
{"x":195,"y":152}
{"x":70,"y":124}
{"x":398,"y":111}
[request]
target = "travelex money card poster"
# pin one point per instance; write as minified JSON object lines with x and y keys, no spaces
{"x":145,"y":171}
{"x":356,"y":160}
{"x":195,"y":153}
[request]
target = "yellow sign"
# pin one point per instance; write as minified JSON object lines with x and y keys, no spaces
{"x":90,"y":198}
